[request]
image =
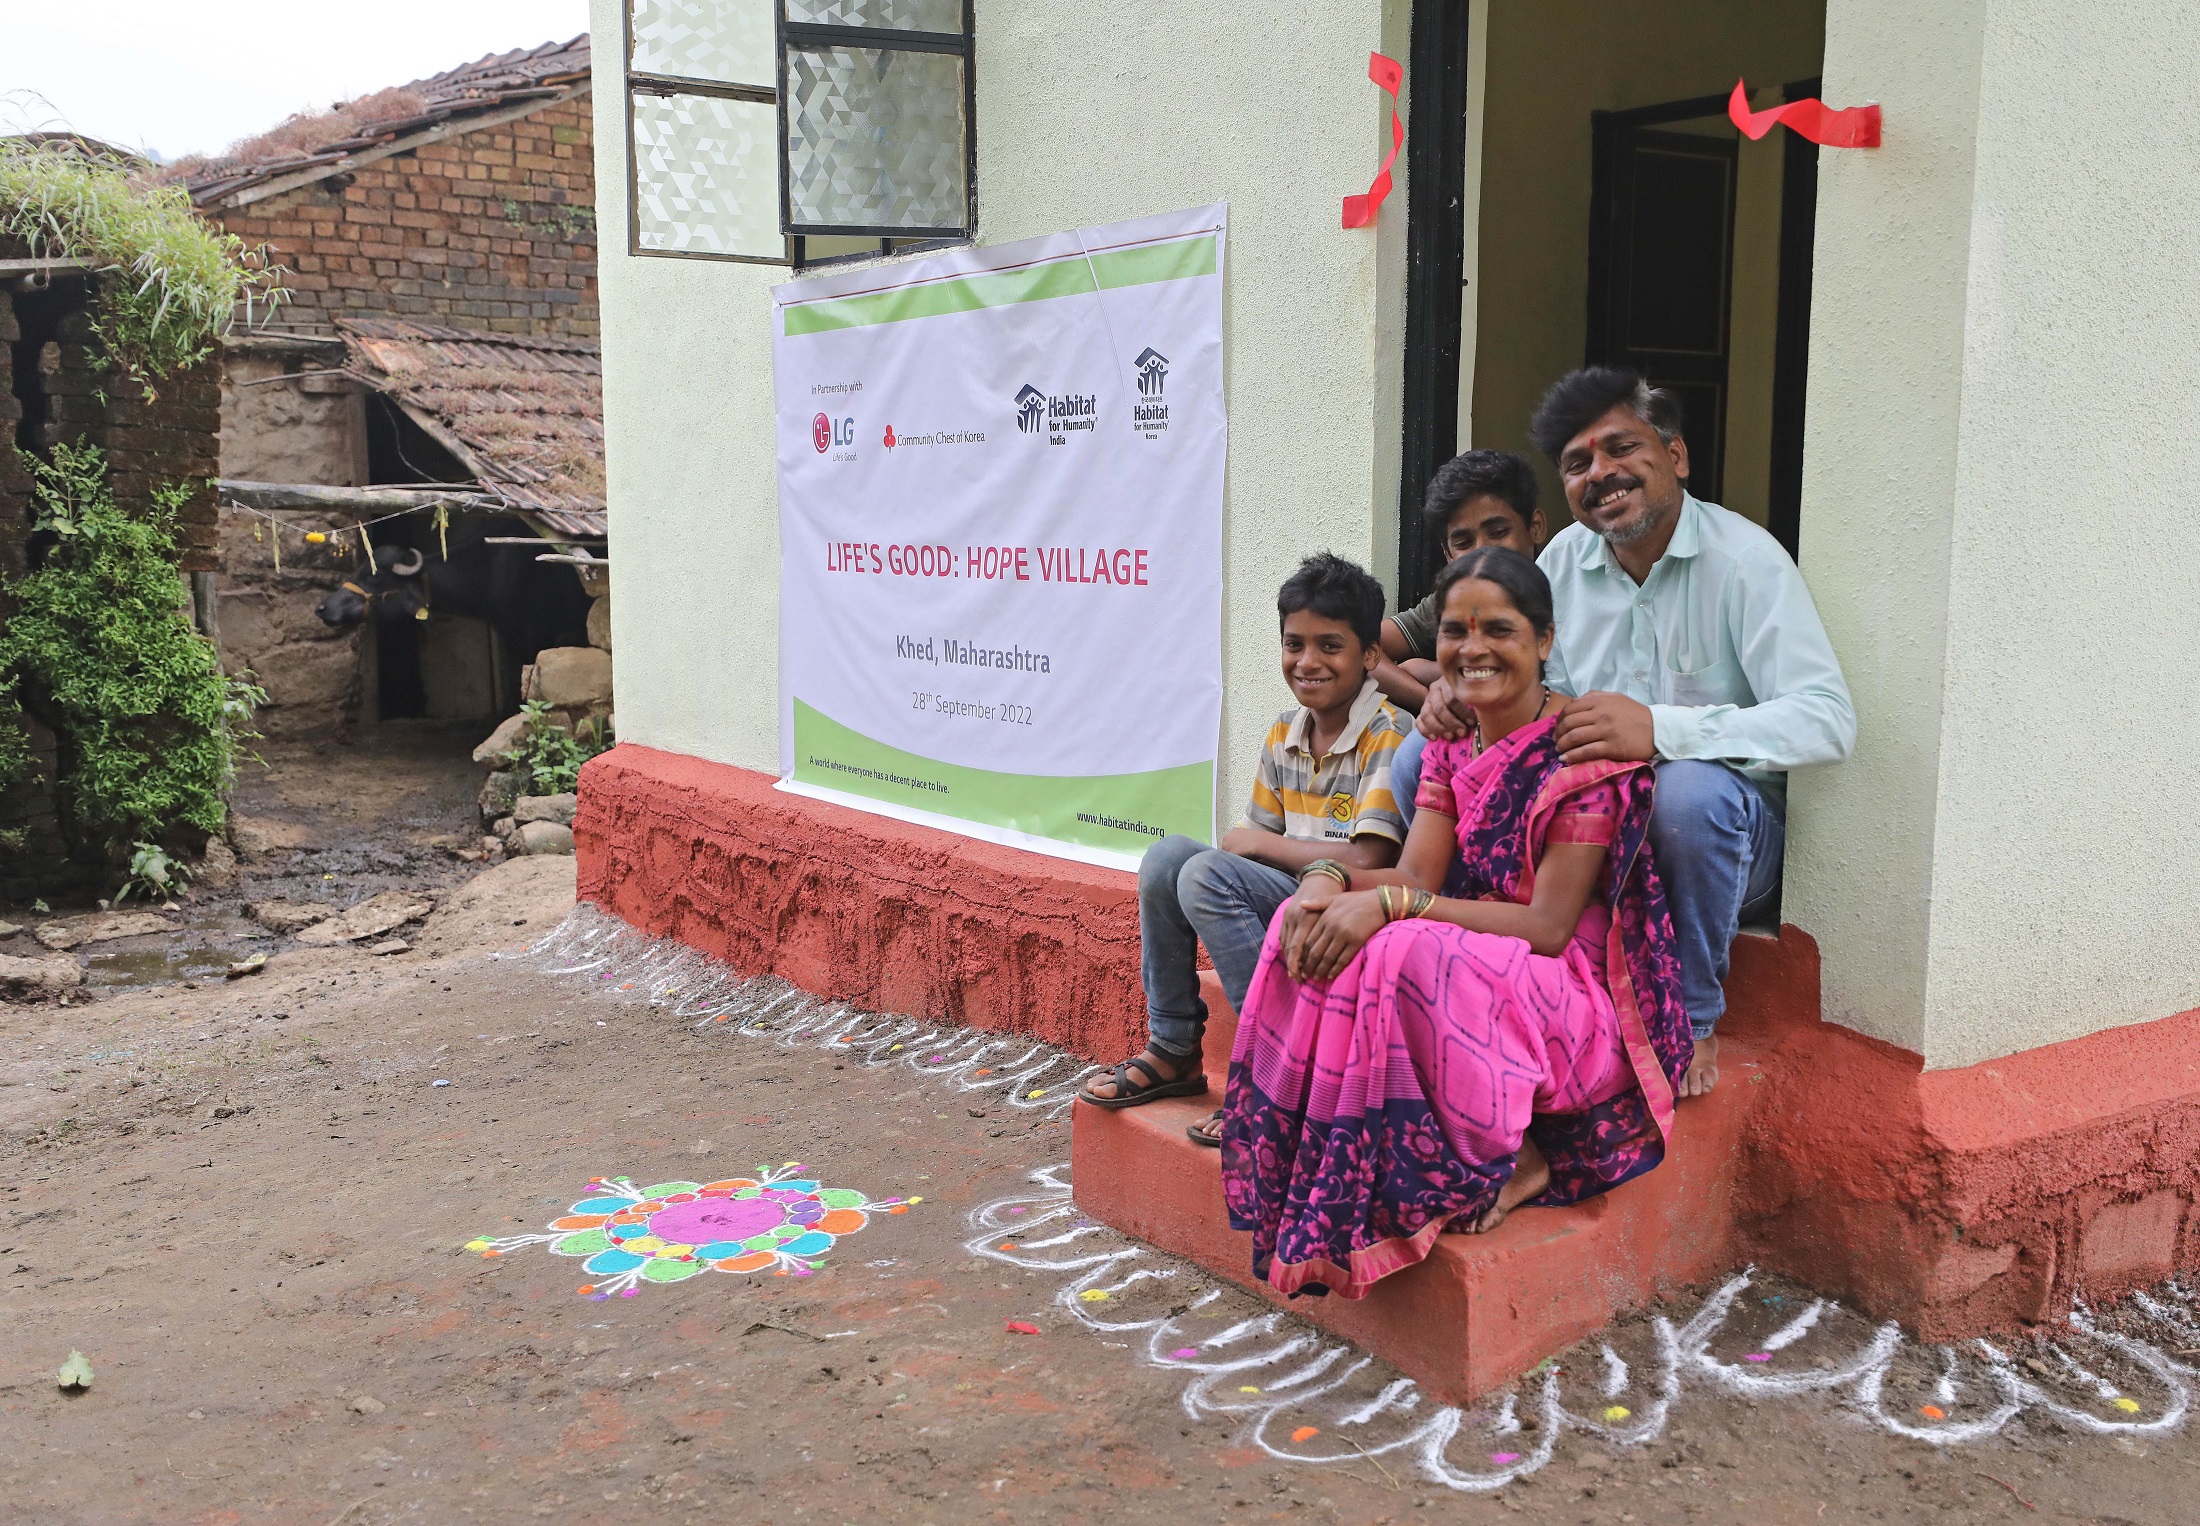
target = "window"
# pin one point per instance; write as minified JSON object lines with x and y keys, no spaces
{"x":794,"y":131}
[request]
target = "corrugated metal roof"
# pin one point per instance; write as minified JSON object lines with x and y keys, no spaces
{"x":485,"y":85}
{"x":523,"y":412}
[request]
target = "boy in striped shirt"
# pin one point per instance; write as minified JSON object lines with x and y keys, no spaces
{"x":1322,"y":790}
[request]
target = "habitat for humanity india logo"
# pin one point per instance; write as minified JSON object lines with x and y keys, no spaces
{"x":1061,"y":415}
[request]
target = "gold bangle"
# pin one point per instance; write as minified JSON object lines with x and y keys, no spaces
{"x":1422,"y":901}
{"x":1382,"y":899}
{"x":1331,"y":868}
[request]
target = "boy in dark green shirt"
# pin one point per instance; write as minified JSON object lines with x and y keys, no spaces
{"x":1481,"y":498}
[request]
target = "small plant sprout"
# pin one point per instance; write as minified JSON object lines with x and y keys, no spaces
{"x":153,"y":875}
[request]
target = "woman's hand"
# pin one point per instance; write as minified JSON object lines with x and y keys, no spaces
{"x":1345,"y":925}
{"x":1302,"y":911}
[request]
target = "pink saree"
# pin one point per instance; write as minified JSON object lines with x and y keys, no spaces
{"x":1367,"y":1114}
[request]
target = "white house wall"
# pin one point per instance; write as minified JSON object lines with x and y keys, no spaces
{"x":1085,"y":114}
{"x":1997,"y":525}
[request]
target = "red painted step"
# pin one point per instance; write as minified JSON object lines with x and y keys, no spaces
{"x":1482,"y":1309}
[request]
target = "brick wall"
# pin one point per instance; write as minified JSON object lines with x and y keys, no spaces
{"x":490,"y":229}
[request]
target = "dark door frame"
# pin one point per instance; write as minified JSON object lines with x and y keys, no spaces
{"x":1436,"y":172}
{"x":1791,"y":333}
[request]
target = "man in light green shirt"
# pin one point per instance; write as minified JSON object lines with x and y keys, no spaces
{"x":1687,"y":637}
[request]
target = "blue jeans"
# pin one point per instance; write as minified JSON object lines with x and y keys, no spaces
{"x":1405,"y":772}
{"x":1717,"y":840}
{"x":1189,"y":894}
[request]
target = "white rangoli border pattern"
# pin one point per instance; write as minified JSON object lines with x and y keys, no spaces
{"x":1307,"y":1376}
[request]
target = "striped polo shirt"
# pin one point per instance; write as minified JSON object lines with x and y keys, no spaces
{"x":1343,"y":793}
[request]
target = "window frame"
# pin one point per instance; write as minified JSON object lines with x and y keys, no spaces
{"x":961,"y":45}
{"x":644,"y":82}
{"x":793,"y":251}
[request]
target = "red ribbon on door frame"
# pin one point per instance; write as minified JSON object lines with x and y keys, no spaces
{"x":1359,"y":211}
{"x":1850,"y":127}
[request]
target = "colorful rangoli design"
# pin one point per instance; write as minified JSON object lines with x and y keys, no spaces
{"x":774,"y":1221}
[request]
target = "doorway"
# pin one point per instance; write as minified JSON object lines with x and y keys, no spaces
{"x":1661,"y":265}
{"x":1578,"y":194}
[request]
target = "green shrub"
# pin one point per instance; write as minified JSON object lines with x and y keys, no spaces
{"x":99,"y":645}
{"x":174,"y":281}
{"x":549,"y":756}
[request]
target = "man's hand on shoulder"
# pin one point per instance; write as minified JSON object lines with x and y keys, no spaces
{"x":1442,"y":717}
{"x":1605,"y":727}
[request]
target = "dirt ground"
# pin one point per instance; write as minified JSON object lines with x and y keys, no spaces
{"x":249,"y":1205}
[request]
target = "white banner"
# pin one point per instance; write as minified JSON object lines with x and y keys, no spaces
{"x":1000,"y":513}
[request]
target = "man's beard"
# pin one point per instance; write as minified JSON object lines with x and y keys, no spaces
{"x":1641,"y":529}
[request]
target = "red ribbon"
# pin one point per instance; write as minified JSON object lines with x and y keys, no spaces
{"x":1850,"y":127}
{"x":1359,"y":211}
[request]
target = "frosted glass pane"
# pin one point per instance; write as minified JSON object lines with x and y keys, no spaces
{"x":875,"y":139}
{"x":706,"y":176}
{"x":724,"y":41}
{"x":904,"y":15}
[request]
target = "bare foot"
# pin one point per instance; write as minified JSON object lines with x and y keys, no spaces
{"x":1105,"y":1088}
{"x":1531,"y":1174}
{"x":1703,"y":1070}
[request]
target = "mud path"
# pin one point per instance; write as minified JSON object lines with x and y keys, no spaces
{"x":314,"y":822}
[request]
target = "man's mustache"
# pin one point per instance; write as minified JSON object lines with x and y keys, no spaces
{"x":1610,"y":487}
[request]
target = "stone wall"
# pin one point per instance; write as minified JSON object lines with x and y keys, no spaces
{"x":308,"y":429}
{"x":491,"y":229}
{"x":61,"y":391}
{"x":310,"y":670}
{"x":171,"y":437}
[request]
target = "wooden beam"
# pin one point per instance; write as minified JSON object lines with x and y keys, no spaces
{"x":352,"y":500}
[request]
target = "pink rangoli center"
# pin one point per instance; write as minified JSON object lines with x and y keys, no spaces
{"x":710,"y":1219}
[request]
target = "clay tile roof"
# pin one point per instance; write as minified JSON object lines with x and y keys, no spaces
{"x":524,"y":413}
{"x":333,"y":139}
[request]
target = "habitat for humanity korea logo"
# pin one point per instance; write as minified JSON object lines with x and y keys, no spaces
{"x":1149,"y":414}
{"x":1063,"y":416}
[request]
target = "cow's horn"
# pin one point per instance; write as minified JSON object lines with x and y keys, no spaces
{"x":409,"y":562}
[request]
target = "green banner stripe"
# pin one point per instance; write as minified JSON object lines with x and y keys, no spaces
{"x":1072,"y":275}
{"x":1123,"y":813}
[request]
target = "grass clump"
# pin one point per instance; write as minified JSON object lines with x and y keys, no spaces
{"x":548,"y":757}
{"x":173,"y":282}
{"x":99,"y":648}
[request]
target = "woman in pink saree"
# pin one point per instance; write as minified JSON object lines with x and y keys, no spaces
{"x":1496,"y":1021}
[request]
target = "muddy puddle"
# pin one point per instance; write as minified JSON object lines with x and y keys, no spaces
{"x":315,"y":820}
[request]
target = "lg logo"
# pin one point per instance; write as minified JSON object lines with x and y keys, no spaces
{"x":826,"y":432}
